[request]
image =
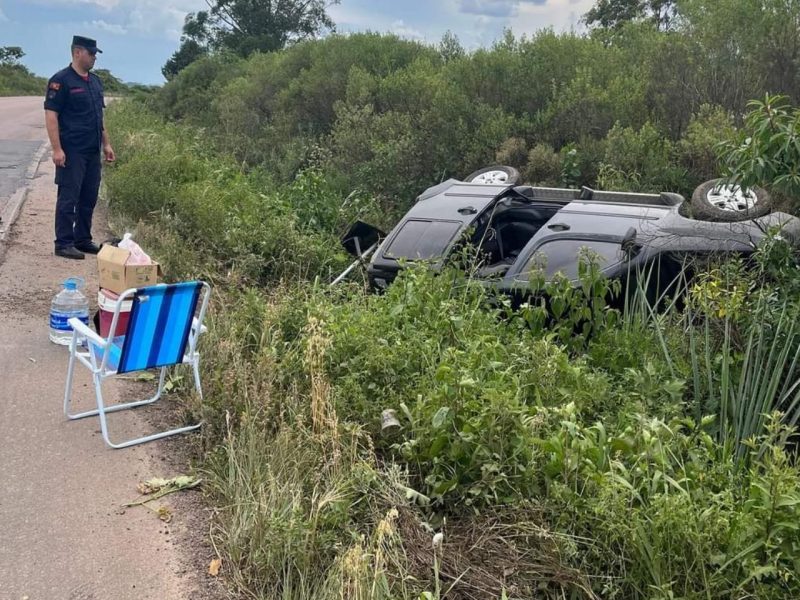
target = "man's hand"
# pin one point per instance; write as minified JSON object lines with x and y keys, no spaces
{"x":108,"y":151}
{"x":59,"y":158}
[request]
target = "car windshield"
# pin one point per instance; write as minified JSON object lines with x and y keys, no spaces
{"x":422,"y":239}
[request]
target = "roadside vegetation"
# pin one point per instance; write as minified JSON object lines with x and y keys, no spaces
{"x":434,"y":441}
{"x":15,"y":78}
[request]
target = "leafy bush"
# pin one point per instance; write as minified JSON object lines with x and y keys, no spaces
{"x":710,"y":126}
{"x":512,"y":152}
{"x":468,"y":384}
{"x":639,"y":161}
{"x":191,"y":94}
{"x":543,"y":166}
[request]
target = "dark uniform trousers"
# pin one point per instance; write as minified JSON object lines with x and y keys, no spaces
{"x":78,"y":184}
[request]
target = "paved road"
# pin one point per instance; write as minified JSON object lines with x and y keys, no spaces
{"x":63,"y":531}
{"x":22,"y":132}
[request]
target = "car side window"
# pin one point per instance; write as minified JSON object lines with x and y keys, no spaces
{"x":563,"y":255}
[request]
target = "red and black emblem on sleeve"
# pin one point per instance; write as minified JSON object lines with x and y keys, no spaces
{"x":54,"y":85}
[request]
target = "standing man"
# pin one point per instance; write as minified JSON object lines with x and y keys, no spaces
{"x":73,"y":111}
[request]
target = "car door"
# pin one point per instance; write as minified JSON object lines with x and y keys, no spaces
{"x":602,"y":227}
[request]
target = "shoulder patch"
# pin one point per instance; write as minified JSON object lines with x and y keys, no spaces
{"x":54,"y":85}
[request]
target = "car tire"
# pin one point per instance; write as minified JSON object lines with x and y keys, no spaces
{"x":496,"y":175}
{"x":717,"y":200}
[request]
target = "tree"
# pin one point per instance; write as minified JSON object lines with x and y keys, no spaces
{"x":247,"y":26}
{"x":612,"y":14}
{"x":10,"y":55}
{"x":189,"y":52}
{"x":450,"y":47}
{"x":752,"y":46}
{"x":194,"y":44}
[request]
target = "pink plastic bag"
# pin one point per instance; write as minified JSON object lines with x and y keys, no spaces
{"x":137,"y":255}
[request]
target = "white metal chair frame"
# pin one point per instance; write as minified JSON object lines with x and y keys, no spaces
{"x":101,"y":370}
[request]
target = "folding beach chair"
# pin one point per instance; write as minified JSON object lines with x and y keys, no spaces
{"x":162,"y":331}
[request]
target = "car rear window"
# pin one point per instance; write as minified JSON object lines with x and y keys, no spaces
{"x":420,"y":240}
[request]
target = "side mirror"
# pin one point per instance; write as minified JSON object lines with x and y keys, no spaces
{"x":361,"y":236}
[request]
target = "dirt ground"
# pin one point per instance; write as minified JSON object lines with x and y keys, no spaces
{"x":64,"y":533}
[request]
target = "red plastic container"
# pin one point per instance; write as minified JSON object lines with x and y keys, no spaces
{"x":107,"y":303}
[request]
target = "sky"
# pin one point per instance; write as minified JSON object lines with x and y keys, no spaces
{"x":138,"y":36}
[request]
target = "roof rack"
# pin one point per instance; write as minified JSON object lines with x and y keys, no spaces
{"x":587,"y":193}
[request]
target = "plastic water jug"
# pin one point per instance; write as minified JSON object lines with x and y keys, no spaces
{"x":68,"y":303}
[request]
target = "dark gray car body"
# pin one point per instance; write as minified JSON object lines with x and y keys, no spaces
{"x":519,"y":228}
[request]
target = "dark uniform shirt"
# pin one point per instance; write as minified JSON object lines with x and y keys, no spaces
{"x":79,"y":103}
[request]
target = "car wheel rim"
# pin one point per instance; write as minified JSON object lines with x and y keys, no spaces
{"x":491,"y":177}
{"x":732,"y":198}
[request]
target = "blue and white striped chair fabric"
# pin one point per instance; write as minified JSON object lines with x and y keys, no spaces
{"x":159,"y":325}
{"x":162,"y":331}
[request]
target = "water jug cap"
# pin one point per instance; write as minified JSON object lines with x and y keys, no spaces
{"x":74,"y":283}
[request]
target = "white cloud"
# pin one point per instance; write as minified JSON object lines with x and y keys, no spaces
{"x":101,"y":4}
{"x":164,"y":19}
{"x":348,"y":19}
{"x":104,"y":4}
{"x":156,"y":18}
{"x":489,"y":8}
{"x":345,"y":15}
{"x":3,"y":17}
{"x":399,"y":28}
{"x":561,"y":15}
{"x":110,"y":27}
{"x":496,"y":8}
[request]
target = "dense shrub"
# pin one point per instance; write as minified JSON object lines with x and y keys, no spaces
{"x":698,"y":148}
{"x":393,"y":117}
{"x":512,"y":152}
{"x":639,"y":161}
{"x":543,"y":166}
{"x":191,"y":95}
{"x":235,"y":219}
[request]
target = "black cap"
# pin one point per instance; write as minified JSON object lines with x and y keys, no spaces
{"x":84,"y":42}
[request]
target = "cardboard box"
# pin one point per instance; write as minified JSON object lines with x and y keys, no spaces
{"x":116,"y":276}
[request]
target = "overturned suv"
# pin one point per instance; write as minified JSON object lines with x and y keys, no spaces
{"x":519,"y":228}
